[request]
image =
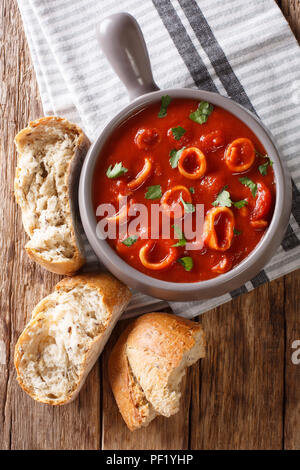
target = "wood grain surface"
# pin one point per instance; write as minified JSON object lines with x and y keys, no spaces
{"x":244,"y":395}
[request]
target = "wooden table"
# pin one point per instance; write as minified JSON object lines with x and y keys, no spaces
{"x":244,"y":395}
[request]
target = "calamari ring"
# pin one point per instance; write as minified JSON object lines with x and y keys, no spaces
{"x":166,"y":196}
{"x":165,"y":263}
{"x":259,"y":224}
{"x":142,"y":175}
{"x":209,"y":231}
{"x":223,"y":265}
{"x":121,"y":216}
{"x":240,"y":155}
{"x":201,"y":161}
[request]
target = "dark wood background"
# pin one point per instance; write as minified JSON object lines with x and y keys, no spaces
{"x":244,"y":395}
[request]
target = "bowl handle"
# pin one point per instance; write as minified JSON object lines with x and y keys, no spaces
{"x":122,"y":42}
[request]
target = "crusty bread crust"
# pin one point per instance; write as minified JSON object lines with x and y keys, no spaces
{"x":115,"y":297}
{"x":65,"y":266}
{"x":136,"y":411}
{"x":159,"y":335}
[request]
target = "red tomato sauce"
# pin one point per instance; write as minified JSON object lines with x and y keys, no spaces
{"x":145,"y":135}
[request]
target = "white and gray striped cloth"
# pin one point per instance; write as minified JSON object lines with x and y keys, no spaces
{"x":241,"y":49}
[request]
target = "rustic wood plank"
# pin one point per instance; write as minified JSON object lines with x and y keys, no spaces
{"x":291,"y":10}
{"x":25,"y":424}
{"x":237,"y":398}
{"x":162,"y":433}
{"x":292,"y":371}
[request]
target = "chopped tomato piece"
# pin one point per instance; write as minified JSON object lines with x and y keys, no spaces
{"x":263,"y":202}
{"x":213,"y":141}
{"x":146,"y":139}
{"x":184,"y":140}
{"x":212,"y":184}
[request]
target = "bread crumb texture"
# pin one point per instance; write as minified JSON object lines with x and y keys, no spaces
{"x":46,"y":149}
{"x":58,"y":339}
{"x":64,"y":338}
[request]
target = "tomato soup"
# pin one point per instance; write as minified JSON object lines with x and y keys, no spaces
{"x":186,"y":154}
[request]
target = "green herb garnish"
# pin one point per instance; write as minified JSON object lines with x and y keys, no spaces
{"x":153,"y":192}
{"x":250,"y":184}
{"x":178,"y":132}
{"x":187,"y":262}
{"x":192,"y":190}
{"x":175,"y":155}
{"x":182,"y":240}
{"x":236,"y":232}
{"x":263,"y":168}
{"x":202,"y":112}
{"x":165,"y":101}
{"x":224,"y":200}
{"x":188,"y":207}
{"x":116,"y":171}
{"x":130,"y":240}
{"x":240,"y":204}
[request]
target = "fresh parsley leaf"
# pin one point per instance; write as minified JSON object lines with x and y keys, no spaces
{"x":153,"y":192}
{"x":187,"y":262}
{"x":223,"y":198}
{"x":188,"y":207}
{"x":116,"y":171}
{"x":178,"y":132}
{"x":202,"y":112}
{"x":240,"y":204}
{"x":178,"y":231}
{"x":192,"y":190}
{"x":263,"y":168}
{"x":250,"y":184}
{"x":130,"y":240}
{"x":175,"y":155}
{"x":165,"y":101}
{"x":236,"y":232}
{"x":182,"y":240}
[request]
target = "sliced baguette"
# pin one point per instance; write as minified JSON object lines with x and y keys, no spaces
{"x":66,"y":334}
{"x":148,"y":362}
{"x":51,"y":152}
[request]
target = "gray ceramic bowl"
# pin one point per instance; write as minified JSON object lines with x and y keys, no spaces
{"x":122,"y":42}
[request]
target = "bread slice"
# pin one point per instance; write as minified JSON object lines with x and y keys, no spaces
{"x":51,"y":152}
{"x":148,"y":362}
{"x":130,"y":398}
{"x":66,"y":334}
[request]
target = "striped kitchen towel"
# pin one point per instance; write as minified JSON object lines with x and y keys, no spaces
{"x":244,"y":50}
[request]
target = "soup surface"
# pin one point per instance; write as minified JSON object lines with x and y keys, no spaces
{"x":189,"y":159}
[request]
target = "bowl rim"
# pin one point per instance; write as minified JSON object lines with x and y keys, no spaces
{"x":257,"y":257}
